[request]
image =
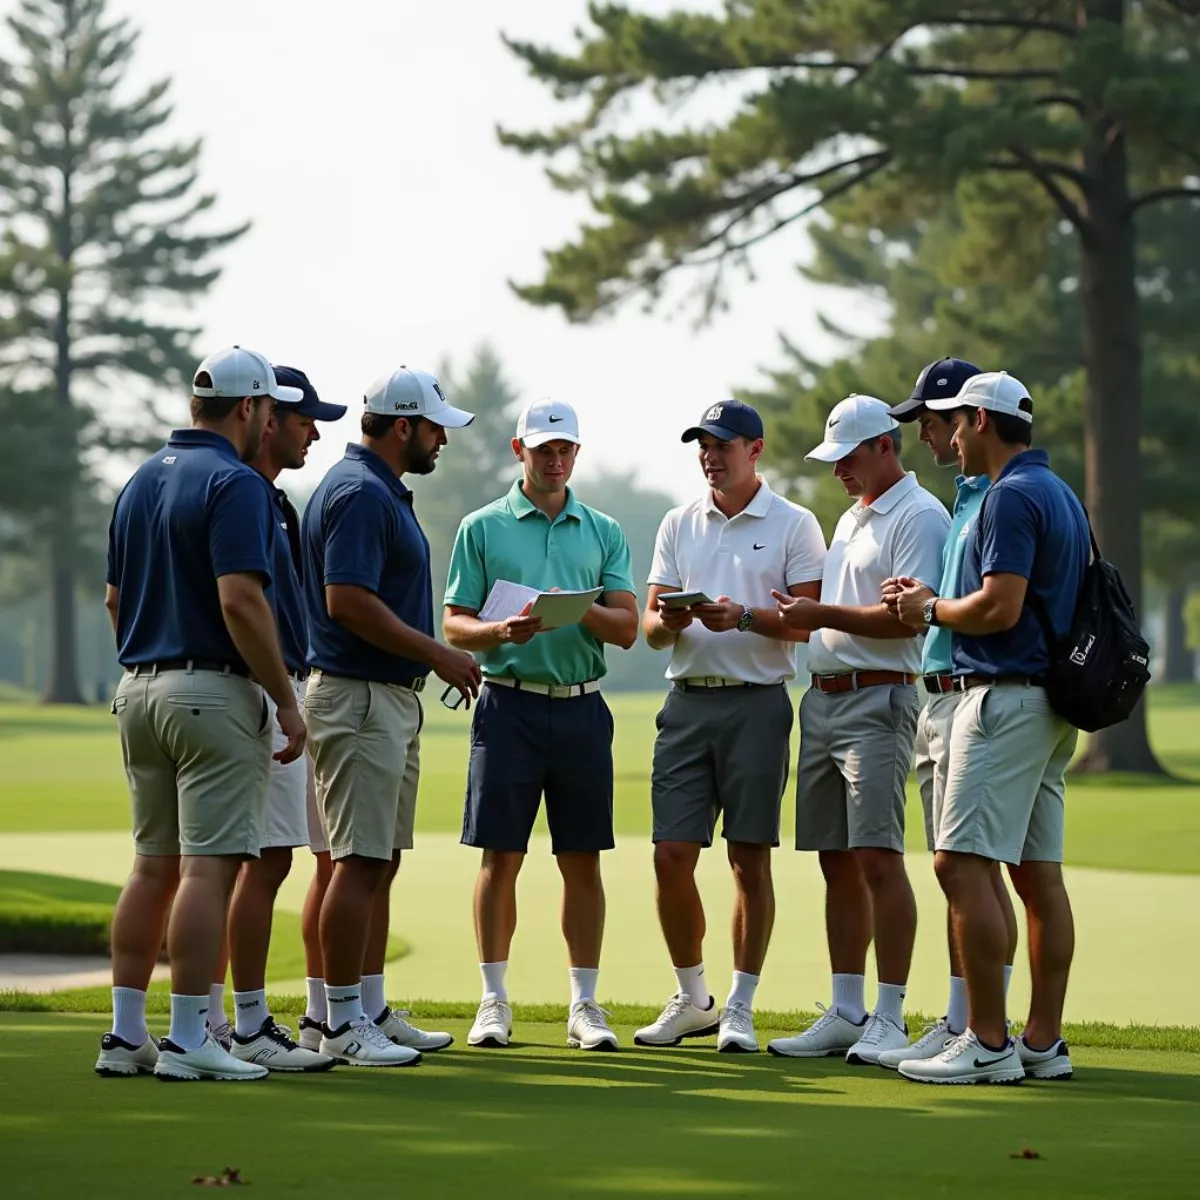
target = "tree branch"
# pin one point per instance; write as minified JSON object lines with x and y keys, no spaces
{"x":1024,"y":161}
{"x":1026,"y":25}
{"x":1041,"y":172}
{"x":1163,"y":193}
{"x":1065,"y":98}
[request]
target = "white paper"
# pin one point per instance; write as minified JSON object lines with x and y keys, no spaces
{"x":556,"y":609}
{"x":506,"y":599}
{"x":682,"y":599}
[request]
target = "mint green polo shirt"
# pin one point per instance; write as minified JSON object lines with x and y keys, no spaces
{"x":512,"y":539}
{"x":936,"y":658}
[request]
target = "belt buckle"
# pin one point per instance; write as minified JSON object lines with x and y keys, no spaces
{"x":560,"y":691}
{"x":712,"y":681}
{"x":418,"y":685}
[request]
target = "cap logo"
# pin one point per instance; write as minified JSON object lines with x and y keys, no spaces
{"x":407,"y":406}
{"x":554,"y":420}
{"x":438,"y":388}
{"x":942,"y":382}
{"x":255,"y":386}
{"x":714,"y":413}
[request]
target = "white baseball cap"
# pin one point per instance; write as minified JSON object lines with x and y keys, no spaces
{"x":997,"y":391}
{"x":853,"y":421}
{"x":548,"y":421}
{"x":235,"y":372}
{"x":407,"y":393}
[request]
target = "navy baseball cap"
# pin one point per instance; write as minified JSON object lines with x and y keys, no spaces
{"x":938,"y":381}
{"x":310,"y":405}
{"x":727,"y":420}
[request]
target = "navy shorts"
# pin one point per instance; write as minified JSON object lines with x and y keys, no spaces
{"x":523,"y":746}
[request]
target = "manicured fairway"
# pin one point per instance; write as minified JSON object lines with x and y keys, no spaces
{"x":538,"y":1120}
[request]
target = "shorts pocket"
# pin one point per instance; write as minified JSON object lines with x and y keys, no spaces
{"x":1036,"y":704}
{"x":119,"y":705}
{"x":318,"y":704}
{"x":264,"y":720}
{"x":210,"y":701}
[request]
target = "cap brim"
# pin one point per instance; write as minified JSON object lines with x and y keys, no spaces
{"x":540,"y":439}
{"x":908,"y":410}
{"x":950,"y":403}
{"x":717,"y":431}
{"x":831,"y":452}
{"x":450,"y":418}
{"x":328,"y":412}
{"x":287,"y":395}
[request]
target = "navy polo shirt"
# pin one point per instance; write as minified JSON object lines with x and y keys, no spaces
{"x":360,"y":529}
{"x":192,"y":513}
{"x":289,"y":569}
{"x":1030,"y":524}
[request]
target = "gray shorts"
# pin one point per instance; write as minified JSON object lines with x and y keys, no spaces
{"x":1005,"y":779}
{"x":855,"y":752}
{"x":933,"y":757}
{"x":721,"y":751}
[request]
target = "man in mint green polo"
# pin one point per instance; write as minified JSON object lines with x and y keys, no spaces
{"x":940,"y":380}
{"x":541,"y":726}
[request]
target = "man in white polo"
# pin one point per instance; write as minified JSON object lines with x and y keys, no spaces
{"x":724,"y":729}
{"x":858,"y":722}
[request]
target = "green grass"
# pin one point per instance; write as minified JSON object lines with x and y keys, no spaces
{"x":538,"y":1120}
{"x":62,"y":771}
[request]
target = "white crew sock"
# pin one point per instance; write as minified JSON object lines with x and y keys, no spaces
{"x":249,"y":1011}
{"x":372,"y":996}
{"x":742,"y":991}
{"x":129,"y":1015}
{"x":493,"y":980}
{"x":216,"y":1006}
{"x":583,"y":983}
{"x":345,"y":1004}
{"x":890,"y":1002}
{"x":317,"y":1009}
{"x":848,"y":1001}
{"x":956,"y":1007}
{"x":692,"y":983}
{"x":187,"y":1021}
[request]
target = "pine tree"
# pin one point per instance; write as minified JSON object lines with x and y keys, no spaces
{"x":893,"y":105}
{"x":100,"y":221}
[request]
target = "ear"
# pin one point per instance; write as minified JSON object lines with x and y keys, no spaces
{"x":516,"y":449}
{"x":756,"y":449}
{"x":245,"y":409}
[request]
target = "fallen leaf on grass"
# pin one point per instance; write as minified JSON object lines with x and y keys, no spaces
{"x":230,"y":1177}
{"x":1026,"y":1153}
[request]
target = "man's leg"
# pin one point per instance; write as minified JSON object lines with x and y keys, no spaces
{"x":680,"y":910}
{"x":344,"y":930}
{"x":495,"y":908}
{"x":583,"y":910}
{"x":753,"y":905}
{"x":893,"y":925}
{"x":1051,"y":947}
{"x":250,"y":915}
{"x":310,"y":929}
{"x":847,"y":930}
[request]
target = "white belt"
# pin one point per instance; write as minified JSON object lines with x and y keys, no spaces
{"x":711,"y":681}
{"x":556,"y":691}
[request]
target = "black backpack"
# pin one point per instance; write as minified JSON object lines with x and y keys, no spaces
{"x":1098,"y":672}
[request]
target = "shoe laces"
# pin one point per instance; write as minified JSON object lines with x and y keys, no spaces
{"x":827,"y":1018}
{"x":492,"y":1009}
{"x":591,"y":1014}
{"x":281,"y":1034}
{"x":878,"y":1028}
{"x":679,"y":1003}
{"x":738,"y":1017}
{"x":960,"y":1044}
{"x":931,"y":1033}
{"x":396,"y":1016}
{"x":368,"y":1031}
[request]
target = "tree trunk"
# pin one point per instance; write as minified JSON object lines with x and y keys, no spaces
{"x":1112,"y":405}
{"x":1179,"y":662}
{"x":62,"y":683}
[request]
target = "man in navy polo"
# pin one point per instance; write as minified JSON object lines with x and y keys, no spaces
{"x":370,"y":610}
{"x":190,"y":565}
{"x":1009,"y":749}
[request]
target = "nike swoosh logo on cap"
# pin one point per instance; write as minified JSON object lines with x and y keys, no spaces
{"x":554,"y":419}
{"x":760,"y":545}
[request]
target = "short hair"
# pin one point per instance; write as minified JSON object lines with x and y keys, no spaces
{"x":1010,"y":429}
{"x":377,"y":425}
{"x":897,"y":438}
{"x":215,"y":409}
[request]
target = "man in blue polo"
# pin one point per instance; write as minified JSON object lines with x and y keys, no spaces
{"x":370,"y":622}
{"x":190,"y":569}
{"x":1009,"y":749}
{"x":938,"y":381}
{"x":541,"y":726}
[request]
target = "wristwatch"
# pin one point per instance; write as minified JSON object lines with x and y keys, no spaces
{"x":929,"y":612}
{"x":746,"y":620}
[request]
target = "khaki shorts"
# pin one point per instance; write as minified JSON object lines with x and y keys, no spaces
{"x":1005,"y":779}
{"x":197,"y":749}
{"x":856,"y":749}
{"x":365,"y":739}
{"x":318,"y":836}
{"x":933,"y":755}
{"x":287,"y":785}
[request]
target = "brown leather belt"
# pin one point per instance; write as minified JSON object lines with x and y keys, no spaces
{"x":851,"y":681}
{"x":938,"y":685}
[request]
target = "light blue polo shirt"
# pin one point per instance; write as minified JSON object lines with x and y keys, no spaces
{"x":937,"y":658}
{"x":513,"y":539}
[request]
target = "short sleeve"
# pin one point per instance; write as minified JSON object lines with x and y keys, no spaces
{"x":358,"y":533}
{"x":1008,"y":534}
{"x":239,"y":526}
{"x":466,"y":581}
{"x":806,"y":550}
{"x":617,"y":573}
{"x":664,"y":571}
{"x":920,"y":540}
{"x":113,"y":575}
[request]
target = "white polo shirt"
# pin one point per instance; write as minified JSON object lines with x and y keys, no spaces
{"x":901,"y":533}
{"x":771,"y":544}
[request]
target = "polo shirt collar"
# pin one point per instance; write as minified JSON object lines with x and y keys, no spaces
{"x":894,"y":494}
{"x":357,"y":452}
{"x":204,"y":437}
{"x":971,"y":483}
{"x":1027,"y":458}
{"x":759,"y":505}
{"x":521,"y":506}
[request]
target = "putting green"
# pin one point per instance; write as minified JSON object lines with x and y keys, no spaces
{"x":537,"y":1120}
{"x":1137,"y":958}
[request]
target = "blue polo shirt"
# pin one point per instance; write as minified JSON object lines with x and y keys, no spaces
{"x":360,"y":528}
{"x":1032,"y":525}
{"x":192,"y":513}
{"x":936,"y":658}
{"x":289,"y":600}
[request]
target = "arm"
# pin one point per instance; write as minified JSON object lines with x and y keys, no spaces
{"x":661,"y":627}
{"x":366,"y":616}
{"x":463,"y":629}
{"x":614,"y":619}
{"x":725,"y":613}
{"x":995,"y":608}
{"x":111,"y":595}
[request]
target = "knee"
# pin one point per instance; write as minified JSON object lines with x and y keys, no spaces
{"x":501,"y":866}
{"x":580,"y":870}
{"x":751,"y":868}
{"x":1036,"y":882}
{"x":840,"y":869}
{"x":879,"y":867}
{"x":274,"y":867}
{"x":158,"y":872}
{"x":950,"y":869}
{"x":674,"y":861}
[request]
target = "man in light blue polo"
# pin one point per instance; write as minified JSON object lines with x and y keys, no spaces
{"x":541,"y":725}
{"x":938,"y":381}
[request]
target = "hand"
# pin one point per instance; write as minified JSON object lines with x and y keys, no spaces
{"x":674,"y":619}
{"x":296,"y":732}
{"x":797,"y":612}
{"x":892,"y":588}
{"x":910,"y":604}
{"x":460,"y":670}
{"x":720,"y":616}
{"x":519,"y":629}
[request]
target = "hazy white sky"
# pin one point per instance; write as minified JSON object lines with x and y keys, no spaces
{"x":359,"y":138}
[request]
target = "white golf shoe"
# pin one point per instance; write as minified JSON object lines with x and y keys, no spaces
{"x":736,"y":1035}
{"x":209,"y":1061}
{"x":399,"y":1031}
{"x":965,"y":1060}
{"x":493,"y":1024}
{"x":588,"y":1028}
{"x":932,"y":1042}
{"x":361,"y":1043}
{"x":830,"y":1034}
{"x":881,"y":1033}
{"x":1054,"y":1063}
{"x":310,"y":1034}
{"x":681,"y":1018}
{"x":121,"y":1058}
{"x":273,"y":1047}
